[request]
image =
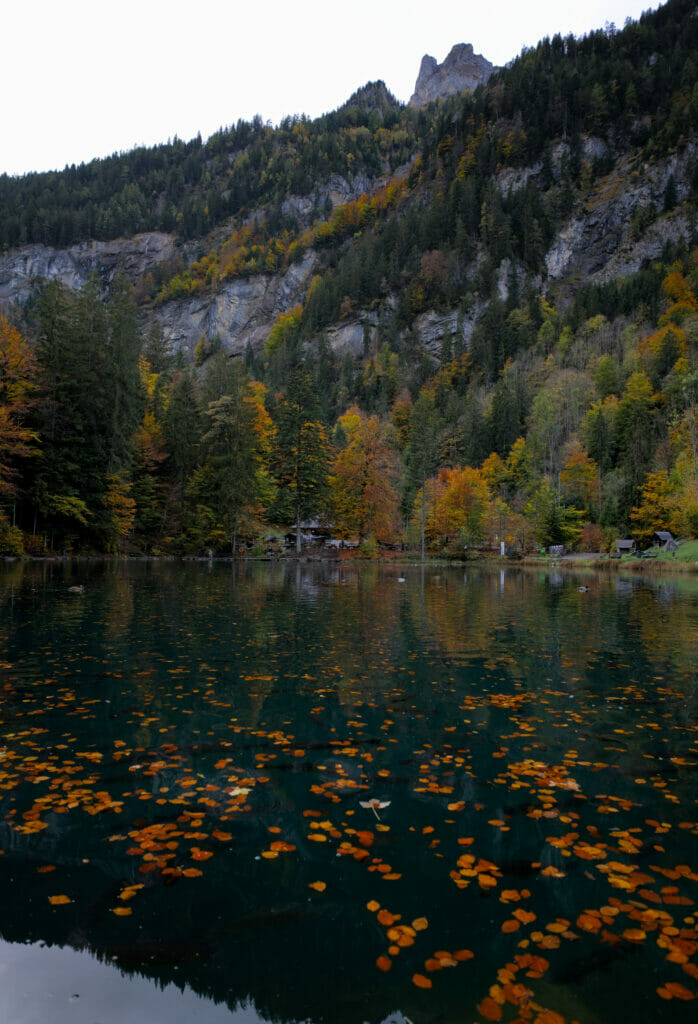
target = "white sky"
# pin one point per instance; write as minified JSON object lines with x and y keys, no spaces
{"x":86,"y":78}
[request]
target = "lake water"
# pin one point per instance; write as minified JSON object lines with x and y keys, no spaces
{"x":295,"y":792}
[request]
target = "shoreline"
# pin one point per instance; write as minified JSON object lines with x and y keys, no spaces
{"x":592,"y":562}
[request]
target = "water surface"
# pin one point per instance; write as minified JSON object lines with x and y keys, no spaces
{"x":186,"y":756}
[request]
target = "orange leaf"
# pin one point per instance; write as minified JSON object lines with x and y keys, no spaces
{"x":57,"y":901}
{"x":192,"y":872}
{"x":384,"y":963}
{"x":222,"y":837}
{"x":674,"y":990}
{"x":373,"y":906}
{"x":420,"y":923}
{"x":463,"y":955}
{"x":486,"y":881}
{"x":489,"y":1009}
{"x":524,"y":916}
{"x":386,"y":918}
{"x":509,"y":895}
{"x":318,"y":886}
{"x":122,"y":911}
{"x":420,"y":981}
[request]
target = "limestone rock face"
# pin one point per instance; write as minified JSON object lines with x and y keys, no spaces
{"x":602,"y":242}
{"x":462,"y":70}
{"x":241,"y":312}
{"x":73,"y":266}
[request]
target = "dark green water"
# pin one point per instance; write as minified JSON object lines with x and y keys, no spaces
{"x":537,"y":747}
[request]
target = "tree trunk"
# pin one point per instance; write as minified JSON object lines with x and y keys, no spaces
{"x":424,"y":513}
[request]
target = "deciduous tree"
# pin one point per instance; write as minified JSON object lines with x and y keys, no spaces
{"x":363,"y":479}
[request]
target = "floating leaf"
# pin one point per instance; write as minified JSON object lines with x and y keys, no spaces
{"x":58,"y":901}
{"x":318,"y":886}
{"x":386,"y":918}
{"x":675,"y":990}
{"x":463,"y":954}
{"x":489,"y":1009}
{"x":421,"y":981}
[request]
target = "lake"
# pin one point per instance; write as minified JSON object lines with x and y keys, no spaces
{"x":337,"y":793}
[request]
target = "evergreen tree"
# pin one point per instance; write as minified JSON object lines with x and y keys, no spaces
{"x":421,"y":456}
{"x":302,"y":453}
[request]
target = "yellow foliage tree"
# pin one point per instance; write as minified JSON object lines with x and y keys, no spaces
{"x":458,"y":503}
{"x":579,"y":477}
{"x":121,"y":508}
{"x":658,"y":509}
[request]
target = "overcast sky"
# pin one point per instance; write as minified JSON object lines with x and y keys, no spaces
{"x":86,"y":78}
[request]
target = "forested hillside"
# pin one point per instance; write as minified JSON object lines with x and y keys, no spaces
{"x":496,"y":337}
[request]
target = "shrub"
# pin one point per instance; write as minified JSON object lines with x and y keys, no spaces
{"x":369,"y":547}
{"x":10,"y":539}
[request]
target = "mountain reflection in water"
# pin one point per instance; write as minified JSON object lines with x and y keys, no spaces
{"x":53,"y":985}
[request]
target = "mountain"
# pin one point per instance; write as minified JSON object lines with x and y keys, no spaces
{"x":509,"y":271}
{"x":461,"y":71}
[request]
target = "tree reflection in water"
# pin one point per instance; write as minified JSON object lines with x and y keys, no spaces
{"x":185,"y":751}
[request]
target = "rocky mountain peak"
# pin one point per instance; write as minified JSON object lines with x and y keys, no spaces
{"x":461,"y":70}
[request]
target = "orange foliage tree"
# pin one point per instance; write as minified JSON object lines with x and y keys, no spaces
{"x":362,"y":483}
{"x":17,"y":387}
{"x":458,"y":505}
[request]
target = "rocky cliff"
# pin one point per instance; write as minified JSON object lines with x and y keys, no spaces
{"x":463,"y":69}
{"x":20,"y":268}
{"x":240,"y":312}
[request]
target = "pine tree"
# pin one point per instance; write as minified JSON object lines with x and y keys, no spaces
{"x":302,"y":452}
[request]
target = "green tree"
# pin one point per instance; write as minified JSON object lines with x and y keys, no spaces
{"x":421,"y":456}
{"x":233,"y":482}
{"x":302,"y":452}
